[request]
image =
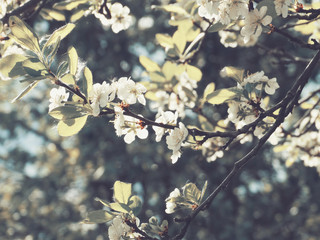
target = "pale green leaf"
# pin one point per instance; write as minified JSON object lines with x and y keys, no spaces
{"x":205,"y":125}
{"x":34,"y":67}
{"x":179,"y":39}
{"x":217,"y":27}
{"x":61,"y":32}
{"x":233,"y":72}
{"x":26,"y":90}
{"x":29,"y":78}
{"x":11,"y":65}
{"x":169,"y":69}
{"x":119,"y":207}
{"x":70,"y":127}
{"x":208,"y":90}
{"x":222,"y":95}
{"x":62,"y":69}
{"x":281,"y":148}
{"x":164,"y":40}
{"x":148,"y":64}
{"x":99,"y":216}
{"x":77,"y":15}
{"x":105,"y":203}
{"x":135,"y":204}
{"x":69,"y":112}
{"x":52,"y":51}
{"x":203,"y":191}
{"x":68,"y":79}
{"x":72,"y":60}
{"x":157,"y":77}
{"x":50,"y":14}
{"x":23,"y":34}
{"x":193,"y":72}
{"x":192,"y":193}
{"x":88,"y":81}
{"x":122,"y":191}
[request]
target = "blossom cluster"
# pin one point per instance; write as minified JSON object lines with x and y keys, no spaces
{"x":119,"y":20}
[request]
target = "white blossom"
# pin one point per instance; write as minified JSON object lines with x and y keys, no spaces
{"x":117,"y":229}
{"x":282,"y":7}
{"x":175,"y":139}
{"x":131,"y":128}
{"x":3,"y":9}
{"x":208,"y":9}
{"x":253,"y":22}
{"x":232,"y":10}
{"x":271,"y":86}
{"x":57,"y":97}
{"x":170,"y":204}
{"x":165,"y":118}
{"x":129,"y":91}
{"x":100,"y":96}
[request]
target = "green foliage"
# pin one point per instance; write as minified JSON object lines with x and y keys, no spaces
{"x":11,"y":65}
{"x":34,"y":68}
{"x":51,"y":14}
{"x":99,"y":216}
{"x":88,"y":81}
{"x":61,"y":33}
{"x":70,"y":112}
{"x":69,"y":127}
{"x":72,"y":60}
{"x":223,"y":95}
{"x":26,"y":90}
{"x":153,"y":227}
{"x":23,"y":34}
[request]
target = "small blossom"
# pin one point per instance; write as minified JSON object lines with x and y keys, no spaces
{"x":175,"y":139}
{"x":100,"y":96}
{"x":253,"y":22}
{"x":57,"y":97}
{"x":129,"y":91}
{"x":271,"y":86}
{"x":118,"y":229}
{"x":281,"y":7}
{"x":208,"y":9}
{"x":132,"y":128}
{"x":165,"y":118}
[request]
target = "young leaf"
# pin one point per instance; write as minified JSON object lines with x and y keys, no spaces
{"x":68,"y":112}
{"x":34,"y":67}
{"x":72,"y":60}
{"x":119,"y":207}
{"x":53,"y":49}
{"x":69,"y":4}
{"x":148,"y":64}
{"x":99,"y":216}
{"x":70,"y":127}
{"x":222,"y":95}
{"x":11,"y":65}
{"x":203,"y":190}
{"x":68,"y":79}
{"x":50,"y":14}
{"x":23,"y":34}
{"x":233,"y":72}
{"x":26,"y":90}
{"x":62,"y":69}
{"x":77,"y":15}
{"x":164,"y":40}
{"x":135,"y":204}
{"x":60,"y":32}
{"x":88,"y":81}
{"x":208,"y":90}
{"x":193,"y":72}
{"x":122,"y":192}
{"x":192,"y":193}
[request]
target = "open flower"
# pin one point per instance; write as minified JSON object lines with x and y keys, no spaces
{"x":165,"y":118}
{"x":129,"y":91}
{"x":282,"y":7}
{"x":57,"y":97}
{"x":253,"y":22}
{"x":175,"y":139}
{"x":100,"y":96}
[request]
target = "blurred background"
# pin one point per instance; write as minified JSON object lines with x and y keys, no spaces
{"x":48,"y":183}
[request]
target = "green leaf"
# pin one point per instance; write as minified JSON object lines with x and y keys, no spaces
{"x":72,"y":60}
{"x":148,"y":64}
{"x":68,"y":112}
{"x":169,"y":69}
{"x":26,"y":90}
{"x":105,"y":203}
{"x":208,"y":90}
{"x":68,"y":79}
{"x":205,"y":125}
{"x":88,"y":81}
{"x":223,"y":95}
{"x":233,"y":72}
{"x":217,"y":27}
{"x":50,"y":14}
{"x":122,"y":191}
{"x":34,"y":67}
{"x":69,"y":5}
{"x":23,"y":34}
{"x":52,"y":51}
{"x":135,"y":204}
{"x":11,"y":65}
{"x":61,"y":32}
{"x":62,"y":69}
{"x":192,"y":193}
{"x":193,"y":72}
{"x":119,"y":207}
{"x":99,"y":216}
{"x":77,"y":15}
{"x":70,"y":127}
{"x":179,"y":39}
{"x":203,"y":191}
{"x":164,"y":40}
{"x":29,"y":78}
{"x":157,"y":77}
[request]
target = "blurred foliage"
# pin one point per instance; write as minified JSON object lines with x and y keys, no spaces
{"x":48,"y":183}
